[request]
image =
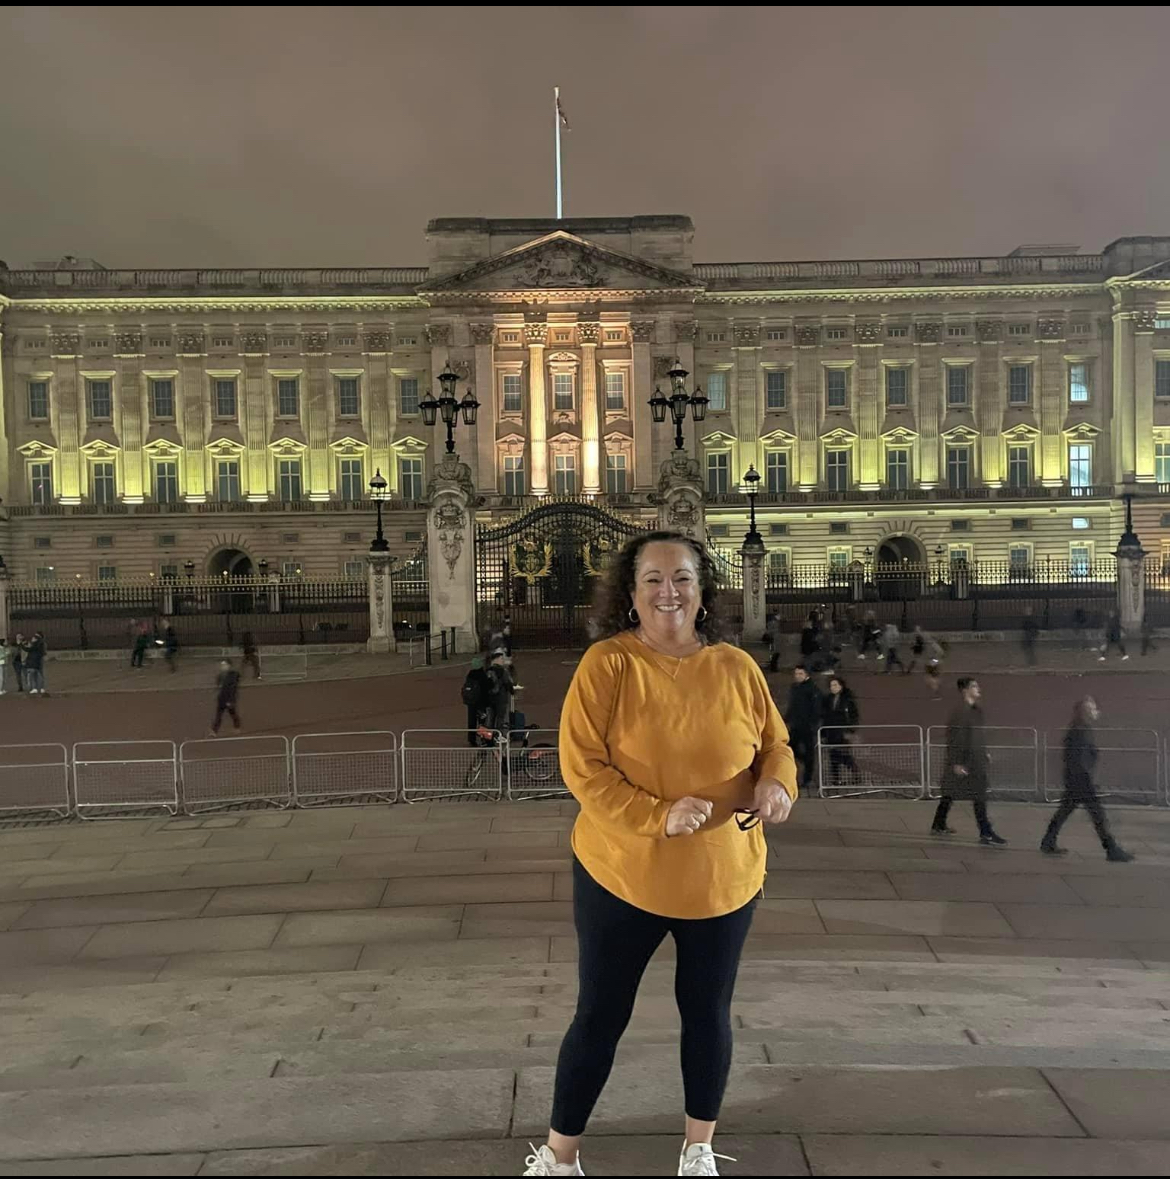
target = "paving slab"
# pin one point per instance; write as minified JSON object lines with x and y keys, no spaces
{"x":394,"y":845}
{"x":180,"y":937}
{"x":105,"y":910}
{"x":466,"y":951}
{"x":796,"y":884}
{"x":761,"y":1099}
{"x":234,"y":964}
{"x":1141,"y":891}
{"x":1117,"y":1103}
{"x":11,"y":913}
{"x":532,"y":919}
{"x":26,"y":947}
{"x":1105,"y":923}
{"x":928,"y":918}
{"x":420,"y":923}
{"x":632,"y":1155}
{"x":470,"y":889}
{"x":58,"y":866}
{"x":142,"y":1164}
{"x":295,"y":898}
{"x":257,"y":872}
{"x":934,"y":886}
{"x":78,"y":975}
{"x":879,"y":1154}
{"x":967,"y":949}
{"x":165,"y":860}
{"x":132,"y":1119}
{"x":510,"y":841}
{"x":414,"y":864}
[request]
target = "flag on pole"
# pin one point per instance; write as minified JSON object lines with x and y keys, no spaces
{"x":561,"y":111}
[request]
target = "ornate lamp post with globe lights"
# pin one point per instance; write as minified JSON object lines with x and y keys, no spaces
{"x":678,"y":402}
{"x":449,"y":407}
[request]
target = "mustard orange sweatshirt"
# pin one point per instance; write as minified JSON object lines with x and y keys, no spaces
{"x":640,"y":730}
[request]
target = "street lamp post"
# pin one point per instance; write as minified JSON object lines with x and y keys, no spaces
{"x":448,"y":406}
{"x":677,"y":403}
{"x":377,"y":492}
{"x":751,"y":490}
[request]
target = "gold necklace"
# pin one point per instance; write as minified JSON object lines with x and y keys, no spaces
{"x":672,"y":672}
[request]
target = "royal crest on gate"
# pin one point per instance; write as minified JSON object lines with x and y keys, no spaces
{"x":529,"y":560}
{"x":597,"y":555}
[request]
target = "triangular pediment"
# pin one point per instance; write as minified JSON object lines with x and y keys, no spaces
{"x":560,"y":261}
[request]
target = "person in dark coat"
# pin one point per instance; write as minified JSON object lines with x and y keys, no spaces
{"x":476,"y":691}
{"x":1080,"y":761}
{"x":34,"y":665}
{"x":1113,"y":638}
{"x":170,"y":643}
{"x":839,"y":720}
{"x":227,"y":691}
{"x":498,"y":713}
{"x":251,"y":653}
{"x":802,"y":715}
{"x":965,"y":770}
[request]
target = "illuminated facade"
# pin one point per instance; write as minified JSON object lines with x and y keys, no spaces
{"x":986,"y":407}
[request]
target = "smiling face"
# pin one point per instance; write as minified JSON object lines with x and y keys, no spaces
{"x":667,"y":591}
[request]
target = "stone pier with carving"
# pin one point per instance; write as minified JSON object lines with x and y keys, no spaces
{"x":381,"y":638}
{"x":680,"y":497}
{"x":451,"y":545}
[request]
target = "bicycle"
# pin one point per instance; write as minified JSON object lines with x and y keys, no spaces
{"x":515,"y":756}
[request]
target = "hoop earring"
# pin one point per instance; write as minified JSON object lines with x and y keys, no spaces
{"x":632,"y":614}
{"x":701,"y":617}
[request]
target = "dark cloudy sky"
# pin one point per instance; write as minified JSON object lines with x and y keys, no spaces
{"x":160,"y":136}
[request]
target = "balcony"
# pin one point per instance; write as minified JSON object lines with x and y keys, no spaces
{"x":916,"y":495}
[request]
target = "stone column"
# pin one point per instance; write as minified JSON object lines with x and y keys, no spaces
{"x":379,"y":397}
{"x":5,"y":617}
{"x":1051,"y":401}
{"x":486,"y":477}
{"x":536,"y":335}
{"x":1131,"y":581}
{"x":451,"y":550}
{"x":807,"y":395}
{"x":746,"y":399}
{"x":680,"y":497}
{"x":989,"y":405}
{"x":253,"y":406}
{"x":589,"y":333}
{"x":930,"y":401}
{"x":754,"y":598}
{"x":128,"y":350}
{"x":641,"y":390}
{"x":381,"y":638}
{"x":869,"y":399}
{"x":316,"y":412}
{"x":192,"y":411}
{"x":1143,"y":396}
{"x":67,"y":393}
{"x":1123,"y":396}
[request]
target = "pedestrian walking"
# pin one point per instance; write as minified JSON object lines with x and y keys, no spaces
{"x":1031,"y":633}
{"x":917,"y":649}
{"x":870,"y":635}
{"x":1080,"y":762}
{"x":965,"y":770}
{"x":251,"y":653}
{"x":890,"y":640}
{"x":227,"y":691}
{"x":802,"y":715}
{"x":775,"y":640}
{"x":1113,"y":638}
{"x":475,"y":695}
{"x":170,"y":642}
{"x":656,"y":847}
{"x":34,"y":665}
{"x":141,"y":642}
{"x":839,"y":720}
{"x":935,"y":653}
{"x":17,"y":660}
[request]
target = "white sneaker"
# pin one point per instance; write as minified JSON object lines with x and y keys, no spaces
{"x":700,"y":1160}
{"x":544,"y":1162}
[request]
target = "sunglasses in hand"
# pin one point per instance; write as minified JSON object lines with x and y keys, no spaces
{"x":746,"y":819}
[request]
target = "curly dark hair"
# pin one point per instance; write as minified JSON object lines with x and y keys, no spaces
{"x":615,"y":592}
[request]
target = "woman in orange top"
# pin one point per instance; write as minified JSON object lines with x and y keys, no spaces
{"x":671,"y":742}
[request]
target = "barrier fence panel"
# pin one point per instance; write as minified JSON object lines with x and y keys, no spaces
{"x":113,"y":777}
{"x":441,"y":763}
{"x":344,"y":769}
{"x":1129,"y":765}
{"x":534,"y":765}
{"x":34,"y":780}
{"x":1015,"y":771}
{"x":218,"y":773}
{"x":871,"y":759}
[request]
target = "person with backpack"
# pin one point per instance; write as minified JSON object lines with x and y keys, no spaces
{"x":475,"y":694}
{"x":34,"y":665}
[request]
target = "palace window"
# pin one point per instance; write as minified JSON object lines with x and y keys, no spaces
{"x":1162,"y":378}
{"x":105,"y":488}
{"x":562,"y":390}
{"x":776,"y":388}
{"x":225,"y":397}
{"x":288,"y":480}
{"x":513,"y":390}
{"x":897,"y":387}
{"x":38,"y":400}
{"x":1019,"y":384}
{"x":348,"y":397}
{"x":775,"y":335}
{"x":41,"y":475}
{"x":897,"y":333}
{"x":1080,"y":465}
{"x":166,"y":481}
{"x":898,"y":468}
{"x":565,"y":474}
{"x":107,"y":573}
{"x":837,"y":470}
{"x":836,"y":388}
{"x":513,"y":474}
{"x":958,"y":467}
{"x":1078,"y":383}
{"x":1020,"y":329}
{"x":717,"y":391}
{"x":615,"y":474}
{"x":718,"y":472}
{"x":101,"y":400}
{"x":836,"y":333}
{"x":227,"y":481}
{"x":1162,"y":462}
{"x":958,"y":384}
{"x":408,"y":395}
{"x":351,"y":481}
{"x":615,"y":391}
{"x":1080,"y":559}
{"x":410,"y":478}
{"x":776,"y":472}
{"x":287,"y":397}
{"x":1019,"y":466}
{"x":354,"y":570}
{"x":162,"y":398}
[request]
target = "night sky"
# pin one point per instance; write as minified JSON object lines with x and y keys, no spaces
{"x":213,"y":136}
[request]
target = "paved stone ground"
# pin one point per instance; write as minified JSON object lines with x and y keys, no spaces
{"x":382,"y":991}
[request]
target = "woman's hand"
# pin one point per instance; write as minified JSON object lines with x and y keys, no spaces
{"x":771,"y":801}
{"x":686,"y":816}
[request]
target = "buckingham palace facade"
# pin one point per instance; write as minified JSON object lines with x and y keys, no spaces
{"x":992,"y":408}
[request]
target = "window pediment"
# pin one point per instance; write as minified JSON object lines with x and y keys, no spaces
{"x":99,"y":448}
{"x":719,"y":438}
{"x":37,"y":450}
{"x":348,"y":445}
{"x":900,"y":435}
{"x":409,"y":446}
{"x":839,"y":436}
{"x":778,"y":438}
{"x":1082,"y":432}
{"x":960,"y":435}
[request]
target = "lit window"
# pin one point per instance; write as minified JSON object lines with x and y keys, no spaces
{"x":1019,"y":466}
{"x":38,"y":400}
{"x":1162,"y":378}
{"x":1080,"y":560}
{"x":839,"y":559}
{"x":352,"y":484}
{"x":1078,"y":383}
{"x":958,"y":467}
{"x":958,"y":383}
{"x":348,"y":397}
{"x":42,"y":483}
{"x":836,"y":388}
{"x":776,"y":388}
{"x":166,"y":481}
{"x":46,"y":575}
{"x":408,"y":395}
{"x":565,"y":474}
{"x":354,"y":570}
{"x":225,"y":398}
{"x":1162,"y":462}
{"x":513,"y":390}
{"x":105,"y":490}
{"x":1080,"y":466}
{"x":290,"y":570}
{"x":615,"y":474}
{"x":615,"y":391}
{"x":227,"y":481}
{"x":1080,"y":523}
{"x":410,"y":478}
{"x":286,"y":397}
{"x":776,"y":472}
{"x":615,"y":336}
{"x":101,"y":399}
{"x":162,"y":398}
{"x":562,"y":391}
{"x":509,"y":337}
{"x":897,"y":386}
{"x":513,"y":474}
{"x":107,"y":573}
{"x":717,"y":391}
{"x":837,"y":470}
{"x":288,"y":480}
{"x":1019,"y":558}
{"x":1019,"y":384}
{"x":898,"y":469}
{"x":718,"y":473}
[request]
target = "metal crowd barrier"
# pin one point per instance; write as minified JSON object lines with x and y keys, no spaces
{"x":533,"y":766}
{"x":221,"y":772}
{"x":1015,"y":772}
{"x":1129,"y":766}
{"x":113,"y":777}
{"x":344,"y":769}
{"x":34,"y":781}
{"x":443,"y":763}
{"x":871,"y":759}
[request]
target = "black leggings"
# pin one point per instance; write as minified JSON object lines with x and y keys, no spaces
{"x":1073,"y":797}
{"x":616,"y":941}
{"x":944,"y":809}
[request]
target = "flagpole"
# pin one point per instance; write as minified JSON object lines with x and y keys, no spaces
{"x":557,"y":125}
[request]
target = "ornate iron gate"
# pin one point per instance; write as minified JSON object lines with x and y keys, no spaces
{"x":541,"y":569}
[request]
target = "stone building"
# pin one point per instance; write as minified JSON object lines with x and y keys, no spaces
{"x":988,"y":408}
